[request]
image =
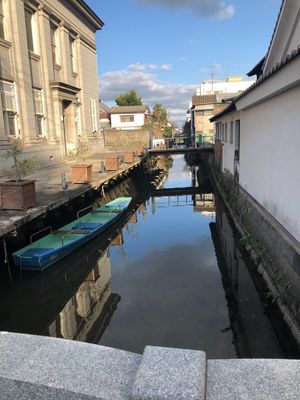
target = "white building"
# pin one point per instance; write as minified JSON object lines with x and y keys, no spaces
{"x":130,"y":117}
{"x":233,"y":84}
{"x":258,"y":135}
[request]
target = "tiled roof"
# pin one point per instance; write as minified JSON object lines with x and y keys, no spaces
{"x":129,"y":109}
{"x":277,"y":22}
{"x":227,"y":110}
{"x":257,"y":69}
{"x":290,"y":57}
{"x":103,"y":107}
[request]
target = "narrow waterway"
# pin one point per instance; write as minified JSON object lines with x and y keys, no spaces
{"x":173,"y":274}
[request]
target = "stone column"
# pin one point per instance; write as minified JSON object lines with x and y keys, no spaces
{"x":22,"y":72}
{"x":47,"y":68}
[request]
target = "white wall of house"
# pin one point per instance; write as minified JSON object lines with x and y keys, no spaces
{"x":139,"y":121}
{"x":269,"y":158}
{"x":229,"y":142}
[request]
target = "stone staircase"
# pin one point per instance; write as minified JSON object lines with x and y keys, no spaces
{"x":41,"y":368}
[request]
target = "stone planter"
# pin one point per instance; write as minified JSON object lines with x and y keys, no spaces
{"x":128,"y":157}
{"x":17,"y":195}
{"x":139,"y":151}
{"x":112,"y":163}
{"x":81,"y":173}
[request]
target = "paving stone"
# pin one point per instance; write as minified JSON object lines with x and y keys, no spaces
{"x":253,"y":380}
{"x":170,"y":374}
{"x":85,"y":369}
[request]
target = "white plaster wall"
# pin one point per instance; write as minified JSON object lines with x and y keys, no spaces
{"x":139,"y":120}
{"x":229,"y":148}
{"x":269,"y":158}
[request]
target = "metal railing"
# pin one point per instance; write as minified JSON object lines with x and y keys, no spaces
{"x":42,"y":230}
{"x":84,"y":209}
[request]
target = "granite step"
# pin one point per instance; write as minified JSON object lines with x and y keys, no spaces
{"x":49,"y":368}
{"x":170,"y":374}
{"x":261,"y":379}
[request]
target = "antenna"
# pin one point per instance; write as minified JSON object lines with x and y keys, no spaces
{"x":212,"y":79}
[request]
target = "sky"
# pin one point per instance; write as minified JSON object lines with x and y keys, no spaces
{"x":164,"y":48}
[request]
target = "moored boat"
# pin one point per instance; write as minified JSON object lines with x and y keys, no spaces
{"x":46,"y":251}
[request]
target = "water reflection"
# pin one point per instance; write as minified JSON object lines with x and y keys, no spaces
{"x":169,"y":274}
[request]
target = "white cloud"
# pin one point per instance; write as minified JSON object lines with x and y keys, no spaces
{"x":175,"y":97}
{"x":167,"y":67}
{"x":150,"y":67}
{"x":218,"y":9}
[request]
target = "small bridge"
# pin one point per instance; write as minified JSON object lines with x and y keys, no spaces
{"x":182,"y":191}
{"x":207,"y":148}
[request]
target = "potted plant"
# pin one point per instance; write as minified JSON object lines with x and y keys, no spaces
{"x":18,"y":193}
{"x":81,"y":172}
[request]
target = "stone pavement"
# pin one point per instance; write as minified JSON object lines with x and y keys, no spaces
{"x":49,"y":191}
{"x":36,"y":368}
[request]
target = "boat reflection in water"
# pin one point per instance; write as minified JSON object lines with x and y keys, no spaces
{"x":73,"y":300}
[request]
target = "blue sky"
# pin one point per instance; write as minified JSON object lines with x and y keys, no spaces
{"x":165,"y":48}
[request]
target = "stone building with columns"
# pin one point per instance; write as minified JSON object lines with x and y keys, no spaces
{"x":48,"y":77}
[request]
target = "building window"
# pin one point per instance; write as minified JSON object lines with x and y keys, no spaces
{"x":127,"y":118}
{"x":204,"y":112}
{"x":94,"y":115}
{"x":54,"y":44}
{"x":9,"y":106}
{"x":39,"y":112}
{"x":29,"y":29}
{"x":72,"y":43}
{"x":2,"y":34}
{"x":237,"y":140}
{"x":231,"y":132}
{"x":226,"y":132}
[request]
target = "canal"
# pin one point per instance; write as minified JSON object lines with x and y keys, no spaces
{"x":171,"y":274}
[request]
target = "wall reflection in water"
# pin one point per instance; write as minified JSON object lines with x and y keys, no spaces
{"x":88,"y":305}
{"x":257,"y":329}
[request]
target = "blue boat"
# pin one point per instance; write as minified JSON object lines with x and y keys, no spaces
{"x":46,"y":251}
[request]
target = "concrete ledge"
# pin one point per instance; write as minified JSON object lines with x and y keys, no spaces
{"x":66,"y":366}
{"x":17,"y":390}
{"x":253,"y":380}
{"x":166,"y":374}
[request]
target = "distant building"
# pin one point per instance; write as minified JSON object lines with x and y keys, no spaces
{"x":203,"y":108}
{"x":130,"y":117}
{"x":232,"y":84}
{"x":104,"y":115}
{"x":48,"y":76}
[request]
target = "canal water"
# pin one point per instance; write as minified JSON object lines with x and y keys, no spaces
{"x":170,"y":274}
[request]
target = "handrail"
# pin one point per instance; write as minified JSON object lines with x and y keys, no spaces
{"x":68,"y":233}
{"x":84,"y":209}
{"x":42,"y":230}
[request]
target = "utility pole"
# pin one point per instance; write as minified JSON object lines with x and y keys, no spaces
{"x":212,"y":79}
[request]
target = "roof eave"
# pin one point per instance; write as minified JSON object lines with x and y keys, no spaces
{"x":228,"y":110}
{"x":88,"y":13}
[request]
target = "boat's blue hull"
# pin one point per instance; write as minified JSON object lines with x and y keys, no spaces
{"x":39,"y":257}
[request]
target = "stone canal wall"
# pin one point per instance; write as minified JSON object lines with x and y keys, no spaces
{"x":272,"y":249}
{"x":42,"y":368}
{"x":116,"y":139}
